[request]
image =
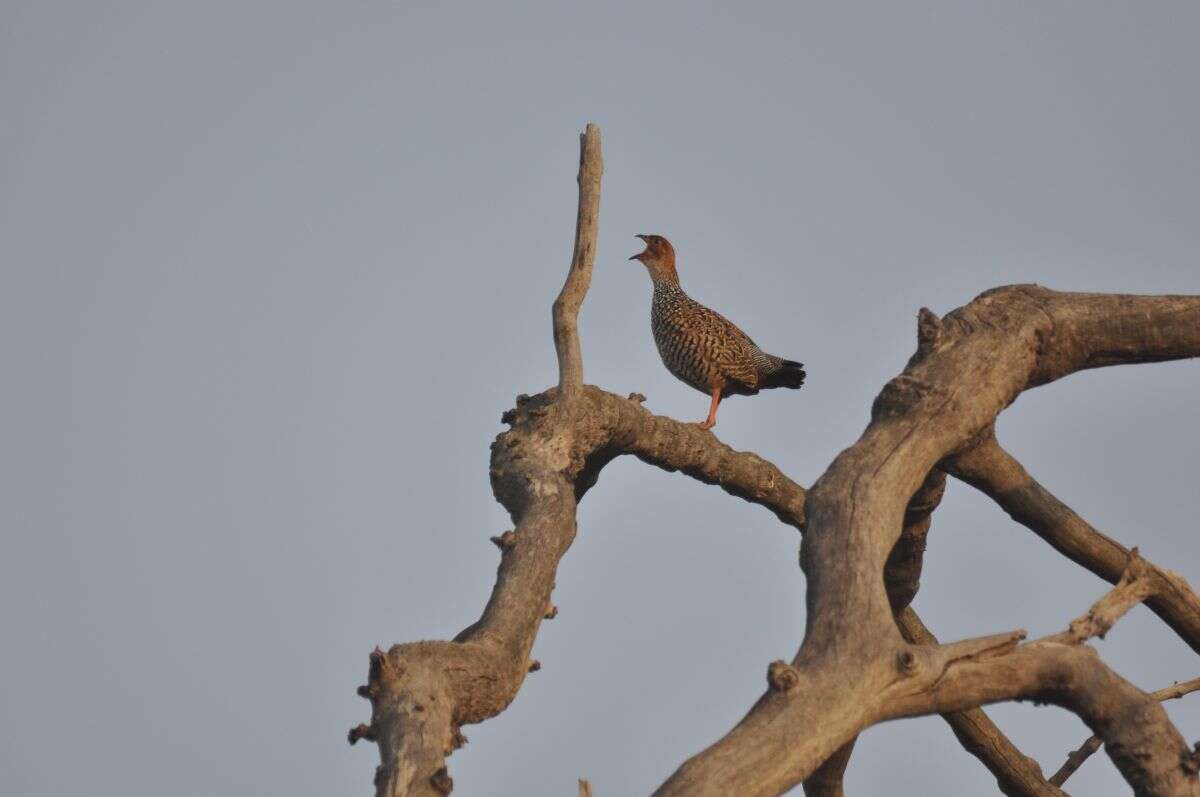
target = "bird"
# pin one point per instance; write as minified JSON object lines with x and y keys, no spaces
{"x":701,"y":347}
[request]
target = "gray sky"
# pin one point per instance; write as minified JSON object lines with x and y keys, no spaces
{"x":270,"y":272}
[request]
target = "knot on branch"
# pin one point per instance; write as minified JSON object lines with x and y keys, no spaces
{"x":441,"y":781}
{"x":368,"y":691}
{"x":637,"y":398}
{"x":361,"y":731}
{"x":781,"y":676}
{"x":551,"y":612}
{"x":906,"y":663}
{"x":900,"y":395}
{"x":457,"y":739}
{"x":506,"y":541}
{"x":534,"y":665}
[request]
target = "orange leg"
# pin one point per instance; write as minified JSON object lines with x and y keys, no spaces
{"x":711,"y":421}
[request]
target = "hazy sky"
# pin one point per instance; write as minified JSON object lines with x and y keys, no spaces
{"x":270,"y":273}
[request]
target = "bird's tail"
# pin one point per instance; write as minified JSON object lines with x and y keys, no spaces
{"x":789,"y":374}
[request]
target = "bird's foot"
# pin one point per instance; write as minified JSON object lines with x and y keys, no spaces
{"x":707,"y":424}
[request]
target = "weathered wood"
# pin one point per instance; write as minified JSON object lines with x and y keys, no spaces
{"x":980,"y":359}
{"x":865,"y":521}
{"x":565,"y":312}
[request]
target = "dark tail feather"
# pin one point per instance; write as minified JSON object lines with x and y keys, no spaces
{"x":790,"y":374}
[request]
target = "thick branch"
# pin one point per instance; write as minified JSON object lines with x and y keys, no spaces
{"x":1143,"y":743}
{"x":422,"y":692}
{"x":902,"y":575}
{"x":1141,"y":740}
{"x":551,"y":456}
{"x":1076,"y":759}
{"x":1017,"y":775}
{"x":992,"y":470}
{"x":968,"y":367}
{"x":565,"y":312}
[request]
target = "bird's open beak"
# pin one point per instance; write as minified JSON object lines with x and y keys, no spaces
{"x":639,"y":255}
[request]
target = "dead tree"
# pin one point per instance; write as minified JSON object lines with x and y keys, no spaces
{"x":865,"y":657}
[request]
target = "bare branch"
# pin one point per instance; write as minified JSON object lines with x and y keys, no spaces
{"x":1146,"y":747}
{"x":1017,"y":774}
{"x":902,"y":576}
{"x":981,"y":357}
{"x":1076,"y":759}
{"x":1143,"y":743}
{"x":992,"y":470}
{"x":968,"y":367}
{"x":565,"y":312}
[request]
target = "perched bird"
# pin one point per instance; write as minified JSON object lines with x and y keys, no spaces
{"x":700,"y":346}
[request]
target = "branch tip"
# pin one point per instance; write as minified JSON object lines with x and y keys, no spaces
{"x":506,"y":541}
{"x":361,"y":731}
{"x":929,"y":327}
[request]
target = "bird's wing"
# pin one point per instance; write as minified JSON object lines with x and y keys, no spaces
{"x":733,"y":348}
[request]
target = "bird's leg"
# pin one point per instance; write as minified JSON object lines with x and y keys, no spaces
{"x":711,"y":421}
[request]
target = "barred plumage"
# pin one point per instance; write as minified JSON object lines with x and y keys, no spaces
{"x":700,"y":346}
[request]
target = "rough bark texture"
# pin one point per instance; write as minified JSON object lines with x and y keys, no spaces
{"x":967,"y":369}
{"x":1075,"y":759}
{"x":864,"y":657}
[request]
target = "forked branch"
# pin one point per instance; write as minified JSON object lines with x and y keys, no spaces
{"x":854,"y":668}
{"x":1076,"y":759}
{"x":968,"y":367}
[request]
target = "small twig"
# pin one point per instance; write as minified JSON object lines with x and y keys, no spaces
{"x":1076,"y":758}
{"x":1134,"y":587}
{"x":585,"y":788}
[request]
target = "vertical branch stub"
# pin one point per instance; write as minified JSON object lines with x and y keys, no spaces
{"x":565,"y":312}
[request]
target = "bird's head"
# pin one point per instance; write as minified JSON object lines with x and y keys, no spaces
{"x":658,"y":258}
